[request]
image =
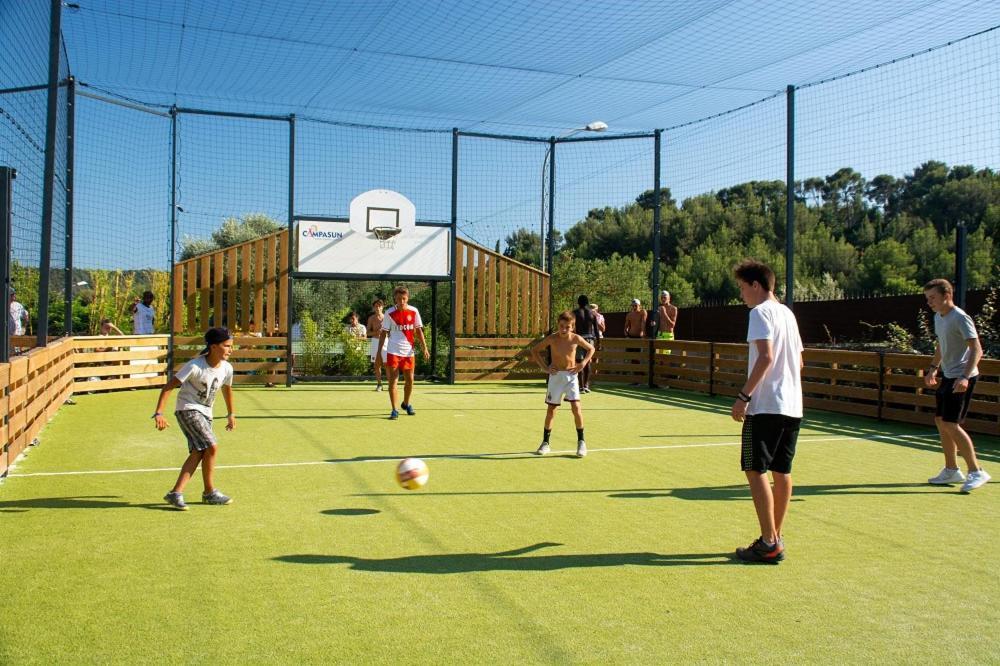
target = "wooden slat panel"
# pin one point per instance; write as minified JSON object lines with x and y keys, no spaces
{"x":188,"y":354}
{"x":470,"y":288}
{"x":96,"y":341}
{"x":204,"y":291}
{"x":271,"y":277}
{"x":86,"y":372}
{"x":104,"y":357}
{"x":504,"y":298}
{"x":855,"y":392}
{"x":497,"y":376}
{"x":242,"y":341}
{"x":840,"y":406}
{"x":481,"y":294}
{"x":491,"y":295}
{"x":842,"y":357}
{"x":282,"y":305}
{"x":246,"y":279}
{"x":123,"y":383}
{"x":232,"y":288}
{"x":494,"y":342}
{"x":218,"y":279}
{"x":258,"y":286}
{"x":191,"y":294}
{"x":177,"y":305}
{"x":525,"y":303}
{"x":459,"y":304}
{"x":260,"y":379}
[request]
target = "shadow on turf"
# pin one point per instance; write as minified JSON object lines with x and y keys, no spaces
{"x":511,"y":560}
{"x":742,"y":492}
{"x":511,"y":455}
{"x":884,"y":432}
{"x":349,"y":512}
{"x":85,"y":502}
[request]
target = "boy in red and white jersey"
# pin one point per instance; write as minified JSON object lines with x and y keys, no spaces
{"x":401,"y":328}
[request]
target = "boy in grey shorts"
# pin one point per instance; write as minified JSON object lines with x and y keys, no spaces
{"x":956,"y":357}
{"x":199,"y":381}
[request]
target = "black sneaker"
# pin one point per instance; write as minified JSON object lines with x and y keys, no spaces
{"x":760,"y":552}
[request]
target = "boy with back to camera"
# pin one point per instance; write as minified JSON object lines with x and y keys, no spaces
{"x":563,"y":383}
{"x":199,"y":381}
{"x":956,"y":357}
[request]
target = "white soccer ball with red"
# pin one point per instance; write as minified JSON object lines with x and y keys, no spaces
{"x":412,"y":473}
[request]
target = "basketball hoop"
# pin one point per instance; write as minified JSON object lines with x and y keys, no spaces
{"x":386,"y":236}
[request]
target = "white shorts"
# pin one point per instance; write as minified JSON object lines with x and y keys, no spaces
{"x":373,"y":349}
{"x":562,"y":386}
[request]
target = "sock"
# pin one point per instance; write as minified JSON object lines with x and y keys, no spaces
{"x":579,"y":433}
{"x":545,"y":436}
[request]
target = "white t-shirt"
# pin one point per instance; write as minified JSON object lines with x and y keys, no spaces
{"x":357,"y":331}
{"x":402,"y":326}
{"x":142,"y":319}
{"x":199,"y":384}
{"x":18,"y":313}
{"x":780,"y":392}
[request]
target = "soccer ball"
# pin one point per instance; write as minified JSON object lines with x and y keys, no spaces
{"x":412,"y":473}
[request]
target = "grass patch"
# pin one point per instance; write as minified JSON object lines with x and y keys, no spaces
{"x":622,"y":557}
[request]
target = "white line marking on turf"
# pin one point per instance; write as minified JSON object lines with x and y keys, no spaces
{"x":456,"y":456}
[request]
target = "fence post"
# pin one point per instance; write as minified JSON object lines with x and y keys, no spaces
{"x":290,"y":249}
{"x":7,"y":175}
{"x":881,"y":383}
{"x":711,"y":369}
{"x":70,"y":130}
{"x":656,"y":216}
{"x":49,"y":178}
{"x":961,"y":249}
{"x":790,"y":197}
{"x":174,"y":297}
{"x":454,"y":253}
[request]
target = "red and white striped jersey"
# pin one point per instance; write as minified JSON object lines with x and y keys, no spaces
{"x":402,"y":325}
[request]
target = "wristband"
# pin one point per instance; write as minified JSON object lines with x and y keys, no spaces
{"x":155,"y":414}
{"x":743,"y":396}
{"x":230,"y":415}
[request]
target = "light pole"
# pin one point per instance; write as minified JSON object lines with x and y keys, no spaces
{"x":596,"y":126}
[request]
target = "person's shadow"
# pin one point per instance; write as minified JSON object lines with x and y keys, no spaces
{"x":742,"y":492}
{"x":82,"y":502}
{"x":510,"y":560}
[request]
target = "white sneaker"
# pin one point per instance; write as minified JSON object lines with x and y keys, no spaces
{"x":543,"y":449}
{"x":976,"y":479}
{"x":947,"y":476}
{"x":581,"y":449}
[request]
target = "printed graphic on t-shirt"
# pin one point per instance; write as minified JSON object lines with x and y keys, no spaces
{"x":402,"y":326}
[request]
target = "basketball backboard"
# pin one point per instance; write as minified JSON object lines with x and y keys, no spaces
{"x":381,"y":239}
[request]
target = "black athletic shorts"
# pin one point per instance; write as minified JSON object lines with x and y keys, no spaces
{"x":952,"y":407}
{"x":769,"y":442}
{"x":581,"y":353}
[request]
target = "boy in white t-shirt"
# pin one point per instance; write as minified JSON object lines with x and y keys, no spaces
{"x":401,"y":329}
{"x":143,"y":314}
{"x":770,"y":407}
{"x":199,"y":381}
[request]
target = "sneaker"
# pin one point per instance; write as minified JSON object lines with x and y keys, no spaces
{"x":378,"y":387}
{"x":409,"y":409}
{"x":393,"y":415}
{"x":581,"y":449}
{"x":216,"y":497}
{"x":760,"y":552}
{"x":543,"y":449}
{"x":585,"y":390}
{"x":947,"y":476}
{"x":976,"y":479}
{"x":176,"y":500}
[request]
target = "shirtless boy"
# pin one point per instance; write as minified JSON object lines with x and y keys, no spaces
{"x":374,"y":328}
{"x":562,"y":371}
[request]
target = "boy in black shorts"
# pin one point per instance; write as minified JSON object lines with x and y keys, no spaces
{"x":770,"y":407}
{"x":956,"y":356}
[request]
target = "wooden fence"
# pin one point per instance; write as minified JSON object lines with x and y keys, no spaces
{"x":32,"y":388}
{"x":494,"y":358}
{"x":233,"y":287}
{"x":497,"y":296}
{"x":114,"y":362}
{"x":255,"y":360}
{"x":874,"y":384}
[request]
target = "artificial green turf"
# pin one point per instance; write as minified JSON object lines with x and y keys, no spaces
{"x":622,"y":557}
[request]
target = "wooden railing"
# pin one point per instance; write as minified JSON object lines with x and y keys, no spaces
{"x":498,"y":295}
{"x":32,"y":388}
{"x":494,"y":358}
{"x":255,"y":360}
{"x":874,"y":384}
{"x":233,"y":287}
{"x":114,"y":362}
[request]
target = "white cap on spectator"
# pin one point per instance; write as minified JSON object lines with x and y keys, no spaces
{"x":636,"y":301}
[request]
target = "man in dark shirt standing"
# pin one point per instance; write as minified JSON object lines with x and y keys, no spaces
{"x":586,"y":327}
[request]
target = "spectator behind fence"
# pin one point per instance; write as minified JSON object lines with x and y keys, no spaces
{"x":354,"y":328}
{"x":635,"y":320}
{"x":143,"y":314}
